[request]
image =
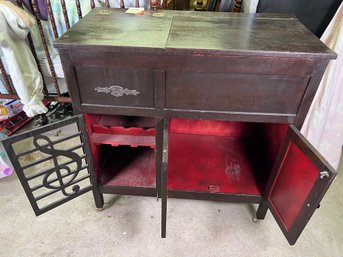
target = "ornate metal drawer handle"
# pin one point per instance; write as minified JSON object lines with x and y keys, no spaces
{"x":116,"y":91}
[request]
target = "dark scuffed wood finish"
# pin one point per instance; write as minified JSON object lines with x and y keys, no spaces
{"x":228,"y":92}
{"x":246,"y":34}
{"x":68,"y":70}
{"x":262,"y":68}
{"x":175,"y":31}
{"x":276,"y":52}
{"x":140,"y":82}
{"x":115,"y":28}
{"x":311,"y":90}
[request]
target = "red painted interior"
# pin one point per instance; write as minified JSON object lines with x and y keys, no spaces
{"x":125,"y":125}
{"x":214,"y":156}
{"x":98,"y":128}
{"x":116,"y":140}
{"x":204,"y":155}
{"x":295,"y":181}
{"x":117,"y":130}
{"x":212,"y":127}
{"x":90,"y":119}
{"x":128,"y":166}
{"x":205,"y":163}
{"x":271,"y":136}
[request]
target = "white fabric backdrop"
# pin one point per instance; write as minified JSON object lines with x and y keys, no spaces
{"x":323,"y":125}
{"x":14,"y":27}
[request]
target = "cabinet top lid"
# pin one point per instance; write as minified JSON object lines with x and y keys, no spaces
{"x":195,"y":33}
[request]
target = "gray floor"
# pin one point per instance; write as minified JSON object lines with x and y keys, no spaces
{"x":130,"y":226}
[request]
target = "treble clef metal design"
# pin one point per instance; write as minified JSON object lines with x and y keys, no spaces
{"x":48,"y":148}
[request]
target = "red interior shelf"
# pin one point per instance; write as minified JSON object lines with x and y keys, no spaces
{"x":118,"y":130}
{"x":124,"y":125}
{"x":116,"y":140}
{"x":127,"y":166}
{"x":216,"y":164}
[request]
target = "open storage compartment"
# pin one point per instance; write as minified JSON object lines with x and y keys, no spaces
{"x":267,"y":163}
{"x":208,"y":158}
{"x":124,"y":153}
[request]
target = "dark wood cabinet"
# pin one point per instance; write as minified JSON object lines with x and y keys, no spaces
{"x":189,"y":105}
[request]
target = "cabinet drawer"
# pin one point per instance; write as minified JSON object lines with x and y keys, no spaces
{"x":117,"y":87}
{"x":235,"y":92}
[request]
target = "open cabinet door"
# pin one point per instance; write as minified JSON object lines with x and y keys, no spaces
{"x":301,"y":178}
{"x":53,"y":163}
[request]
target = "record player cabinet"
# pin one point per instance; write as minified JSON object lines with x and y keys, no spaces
{"x":189,"y":105}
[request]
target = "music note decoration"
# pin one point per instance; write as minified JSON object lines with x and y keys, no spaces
{"x":65,"y":176}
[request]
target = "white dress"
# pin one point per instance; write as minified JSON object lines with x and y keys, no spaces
{"x":21,"y":64}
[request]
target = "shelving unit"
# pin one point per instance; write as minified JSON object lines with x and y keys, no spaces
{"x":124,"y":149}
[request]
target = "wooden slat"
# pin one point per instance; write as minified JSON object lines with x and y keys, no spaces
{"x":122,"y":5}
{"x":52,"y":19}
{"x":78,"y":7}
{"x":60,"y":99}
{"x":155,"y":4}
{"x":46,"y":50}
{"x":116,"y":140}
{"x":65,"y":14}
{"x":35,"y":56}
{"x":92,"y":4}
{"x":237,"y":6}
{"x":4,"y":75}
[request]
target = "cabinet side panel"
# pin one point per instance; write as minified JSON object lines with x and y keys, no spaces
{"x":310,"y":92}
{"x":71,"y":81}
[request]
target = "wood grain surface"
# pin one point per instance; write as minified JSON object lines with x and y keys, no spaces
{"x":215,"y":33}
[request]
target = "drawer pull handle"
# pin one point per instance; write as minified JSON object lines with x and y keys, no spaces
{"x":117,"y":91}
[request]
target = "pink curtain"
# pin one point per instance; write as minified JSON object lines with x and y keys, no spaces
{"x":323,"y":125}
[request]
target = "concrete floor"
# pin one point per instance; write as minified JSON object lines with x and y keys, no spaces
{"x":130,"y":226}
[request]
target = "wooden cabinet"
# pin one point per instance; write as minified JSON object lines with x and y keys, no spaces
{"x":184,"y":104}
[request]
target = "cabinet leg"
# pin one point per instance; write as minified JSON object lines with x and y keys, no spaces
{"x":98,"y":198}
{"x":262,"y":211}
{"x":164,"y":218}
